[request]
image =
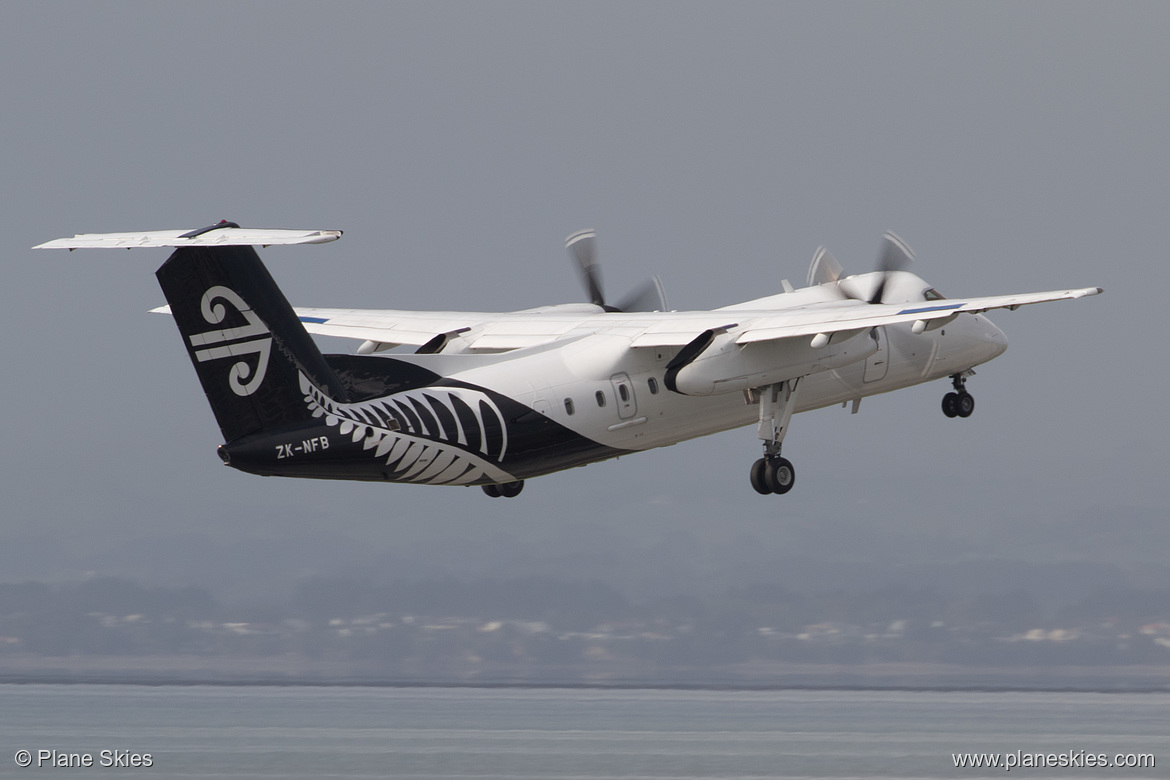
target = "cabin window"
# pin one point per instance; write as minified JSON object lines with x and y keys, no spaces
{"x":652,"y":383}
{"x":933,"y":295}
{"x":600,"y":396}
{"x":569,"y":406}
{"x":624,"y":392}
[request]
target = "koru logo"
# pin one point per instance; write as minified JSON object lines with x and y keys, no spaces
{"x":253,"y":338}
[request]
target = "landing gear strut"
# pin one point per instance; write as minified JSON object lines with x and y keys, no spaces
{"x":505,"y":490}
{"x":959,"y":403}
{"x":773,"y":473}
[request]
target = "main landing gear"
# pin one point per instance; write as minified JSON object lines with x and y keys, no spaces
{"x":959,"y":403}
{"x":773,"y":473}
{"x":505,"y":490}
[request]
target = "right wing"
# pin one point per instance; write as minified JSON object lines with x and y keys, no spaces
{"x":859,"y":314}
{"x":516,"y":330}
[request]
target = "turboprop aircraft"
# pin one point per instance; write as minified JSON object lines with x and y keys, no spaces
{"x":494,"y":399}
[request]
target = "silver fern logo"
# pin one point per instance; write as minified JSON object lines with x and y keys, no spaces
{"x":254,"y":338}
{"x":432,"y":435}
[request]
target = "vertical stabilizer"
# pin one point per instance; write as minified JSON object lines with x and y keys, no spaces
{"x":247,"y":345}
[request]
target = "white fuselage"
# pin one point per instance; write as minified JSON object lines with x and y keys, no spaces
{"x":601,"y":388}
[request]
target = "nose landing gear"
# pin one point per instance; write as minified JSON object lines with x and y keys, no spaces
{"x":959,"y":403}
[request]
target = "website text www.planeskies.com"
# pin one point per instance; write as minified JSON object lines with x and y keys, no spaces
{"x":1064,"y":760}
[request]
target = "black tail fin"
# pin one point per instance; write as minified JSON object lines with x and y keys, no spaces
{"x":246,"y":342}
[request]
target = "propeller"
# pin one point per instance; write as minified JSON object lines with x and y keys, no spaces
{"x":582,"y":246}
{"x":896,"y":256}
{"x":649,"y":296}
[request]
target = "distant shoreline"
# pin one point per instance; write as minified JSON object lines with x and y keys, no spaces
{"x":300,"y":672}
{"x":576,"y":686}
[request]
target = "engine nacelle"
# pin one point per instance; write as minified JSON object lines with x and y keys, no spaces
{"x":713,"y":363}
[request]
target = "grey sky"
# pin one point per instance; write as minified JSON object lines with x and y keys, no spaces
{"x":1016,"y":147}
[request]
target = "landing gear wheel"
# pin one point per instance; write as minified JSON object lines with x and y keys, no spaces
{"x":959,"y":403}
{"x":964,"y":404}
{"x":760,"y":478}
{"x":493,"y":491}
{"x":779,"y":474}
{"x":511,"y":489}
{"x":950,"y":404}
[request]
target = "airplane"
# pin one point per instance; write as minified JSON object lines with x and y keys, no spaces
{"x":495,"y":399}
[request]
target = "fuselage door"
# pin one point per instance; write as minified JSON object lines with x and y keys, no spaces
{"x":877,"y":364}
{"x":623,"y":391}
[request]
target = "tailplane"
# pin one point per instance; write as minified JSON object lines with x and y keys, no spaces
{"x":248,"y":346}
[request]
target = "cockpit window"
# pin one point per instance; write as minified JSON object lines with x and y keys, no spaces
{"x":933,"y":295}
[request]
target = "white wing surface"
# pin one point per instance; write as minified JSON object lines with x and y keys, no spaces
{"x":859,"y":314}
{"x":516,"y":330}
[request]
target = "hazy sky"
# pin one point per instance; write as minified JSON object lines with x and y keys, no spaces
{"x":1017,"y":147}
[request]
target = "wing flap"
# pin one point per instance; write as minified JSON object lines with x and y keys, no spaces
{"x":490,"y":331}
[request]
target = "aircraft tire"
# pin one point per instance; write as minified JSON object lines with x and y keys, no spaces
{"x":511,"y":489}
{"x":964,"y":404}
{"x":950,"y":404}
{"x":780,"y":475}
{"x":760,"y":478}
{"x":493,"y":491}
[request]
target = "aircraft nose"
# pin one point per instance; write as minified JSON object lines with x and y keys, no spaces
{"x":995,"y":338}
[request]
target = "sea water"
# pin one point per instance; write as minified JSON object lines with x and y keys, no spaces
{"x":321,"y":732}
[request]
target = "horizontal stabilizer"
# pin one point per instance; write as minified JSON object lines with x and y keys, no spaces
{"x":212,"y":236}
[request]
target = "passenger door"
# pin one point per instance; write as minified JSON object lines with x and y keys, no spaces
{"x":623,"y":391}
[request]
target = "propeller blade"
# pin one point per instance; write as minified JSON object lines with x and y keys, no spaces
{"x":896,"y":256}
{"x":824,"y":268}
{"x":650,"y":296}
{"x":582,"y":248}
